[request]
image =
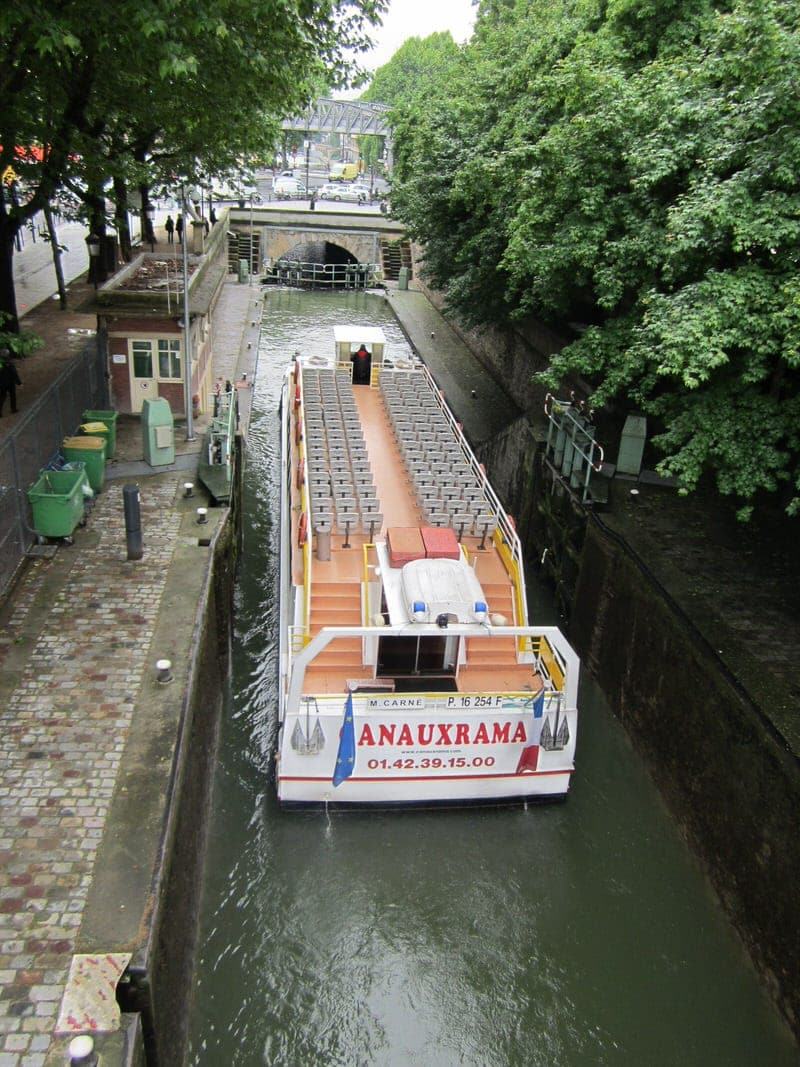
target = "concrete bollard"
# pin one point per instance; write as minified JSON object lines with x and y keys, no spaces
{"x":81,"y":1052}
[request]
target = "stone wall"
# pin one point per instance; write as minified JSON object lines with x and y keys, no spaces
{"x":728,"y":780}
{"x":725,"y":775}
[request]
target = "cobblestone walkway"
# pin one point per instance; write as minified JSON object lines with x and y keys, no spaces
{"x":62,"y":738}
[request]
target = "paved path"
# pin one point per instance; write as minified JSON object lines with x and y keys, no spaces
{"x":34,"y":273}
{"x":64,"y":728}
{"x":76,"y":645}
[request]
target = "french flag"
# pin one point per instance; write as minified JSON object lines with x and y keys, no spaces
{"x":529,"y":757}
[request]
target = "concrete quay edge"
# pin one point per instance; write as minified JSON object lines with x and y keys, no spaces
{"x":92,"y":758}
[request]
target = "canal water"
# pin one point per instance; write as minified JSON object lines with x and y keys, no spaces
{"x":575,"y":934}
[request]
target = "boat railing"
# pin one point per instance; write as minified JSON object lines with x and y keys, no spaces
{"x":554,"y":658}
{"x":222,"y":430}
{"x":294,"y":395}
{"x":506,"y":538}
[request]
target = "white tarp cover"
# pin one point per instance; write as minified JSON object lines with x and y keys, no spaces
{"x":355,"y":335}
{"x":444,"y":585}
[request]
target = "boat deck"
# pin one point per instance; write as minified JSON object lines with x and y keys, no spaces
{"x":335,"y":591}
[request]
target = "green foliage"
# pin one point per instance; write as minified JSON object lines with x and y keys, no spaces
{"x":21,"y":344}
{"x":146,"y":91}
{"x":630,"y":168}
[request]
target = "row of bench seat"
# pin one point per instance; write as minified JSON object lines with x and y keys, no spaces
{"x":449,"y":491}
{"x":340,"y":479}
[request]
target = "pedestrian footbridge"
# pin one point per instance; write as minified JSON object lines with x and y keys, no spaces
{"x":265,"y":236}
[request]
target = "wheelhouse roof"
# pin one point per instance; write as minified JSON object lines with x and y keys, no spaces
{"x":354,"y":335}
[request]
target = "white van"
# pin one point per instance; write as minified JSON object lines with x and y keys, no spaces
{"x":288,"y":187}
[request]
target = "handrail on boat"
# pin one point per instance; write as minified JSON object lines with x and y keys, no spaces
{"x":555,"y":652}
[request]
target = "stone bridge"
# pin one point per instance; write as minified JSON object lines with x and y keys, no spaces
{"x":277,"y":231}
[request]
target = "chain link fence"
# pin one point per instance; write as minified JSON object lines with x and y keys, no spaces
{"x":34,"y":443}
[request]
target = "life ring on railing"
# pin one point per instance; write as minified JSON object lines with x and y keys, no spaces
{"x":298,"y":429}
{"x":302,"y":530}
{"x":296,"y":371}
{"x":297,"y":395}
{"x":301,"y":473}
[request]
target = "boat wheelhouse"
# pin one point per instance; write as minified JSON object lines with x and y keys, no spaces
{"x":409,"y":672}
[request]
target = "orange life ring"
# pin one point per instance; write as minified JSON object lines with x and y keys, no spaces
{"x":302,"y":530}
{"x":297,"y":395}
{"x":301,"y":473}
{"x":298,"y":429}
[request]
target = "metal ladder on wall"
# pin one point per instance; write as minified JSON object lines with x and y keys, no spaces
{"x":571,"y":447}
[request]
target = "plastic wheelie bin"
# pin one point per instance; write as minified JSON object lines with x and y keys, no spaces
{"x":92,"y":450}
{"x":96,"y":429}
{"x":110,"y":420}
{"x":57,"y":501}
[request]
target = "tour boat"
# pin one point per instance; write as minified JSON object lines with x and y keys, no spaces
{"x":409,"y":672}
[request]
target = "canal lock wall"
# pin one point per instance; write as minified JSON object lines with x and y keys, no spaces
{"x":726,"y":775}
{"x":156,"y":997}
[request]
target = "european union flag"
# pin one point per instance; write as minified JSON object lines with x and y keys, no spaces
{"x":346,"y":756}
{"x":538,"y":705}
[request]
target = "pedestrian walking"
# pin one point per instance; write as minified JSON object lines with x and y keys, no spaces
{"x":9,"y":380}
{"x":206,"y":227}
{"x":169,"y":226}
{"x":179,"y":228}
{"x":212,"y":215}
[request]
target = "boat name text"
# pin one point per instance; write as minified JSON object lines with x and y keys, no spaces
{"x":442,"y":733}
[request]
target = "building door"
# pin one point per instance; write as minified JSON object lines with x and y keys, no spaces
{"x":144,"y":385}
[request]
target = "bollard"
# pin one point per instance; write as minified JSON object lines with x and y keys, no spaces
{"x":163,"y":671}
{"x":81,"y":1052}
{"x":133,"y":521}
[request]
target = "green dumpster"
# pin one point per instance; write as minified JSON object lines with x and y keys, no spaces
{"x":96,"y":429}
{"x":92,"y":450}
{"x":57,"y":501}
{"x":110,"y":420}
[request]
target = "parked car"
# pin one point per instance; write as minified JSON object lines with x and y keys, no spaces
{"x":288,"y":187}
{"x":343,"y":191}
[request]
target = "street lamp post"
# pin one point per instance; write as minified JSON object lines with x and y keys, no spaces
{"x":307,"y":145}
{"x":187,"y":341}
{"x":93,"y":244}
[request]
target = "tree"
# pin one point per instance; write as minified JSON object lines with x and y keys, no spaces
{"x":630,"y":169}
{"x":140,"y":90}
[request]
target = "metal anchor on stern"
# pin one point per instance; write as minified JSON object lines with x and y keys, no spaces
{"x":308,"y":742}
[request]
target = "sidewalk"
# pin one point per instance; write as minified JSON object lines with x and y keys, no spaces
{"x":80,"y":636}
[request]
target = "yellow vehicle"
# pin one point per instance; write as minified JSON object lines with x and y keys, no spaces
{"x":343,"y":172}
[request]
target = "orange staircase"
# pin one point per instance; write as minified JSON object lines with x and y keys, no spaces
{"x":489,"y":652}
{"x":335,"y":604}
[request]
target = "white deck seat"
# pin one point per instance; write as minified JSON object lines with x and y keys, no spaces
{"x":438,"y":518}
{"x":371,"y":523}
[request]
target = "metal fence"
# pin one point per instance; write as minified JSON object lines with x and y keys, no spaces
{"x":321,"y":275}
{"x":34,"y":443}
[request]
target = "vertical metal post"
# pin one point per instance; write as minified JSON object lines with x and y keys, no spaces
{"x":133,"y":521}
{"x":187,"y":340}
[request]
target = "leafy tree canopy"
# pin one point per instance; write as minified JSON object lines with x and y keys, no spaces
{"x":150,"y":90}
{"x":631,"y":168}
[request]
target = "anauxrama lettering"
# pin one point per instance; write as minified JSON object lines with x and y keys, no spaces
{"x":442,"y":733}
